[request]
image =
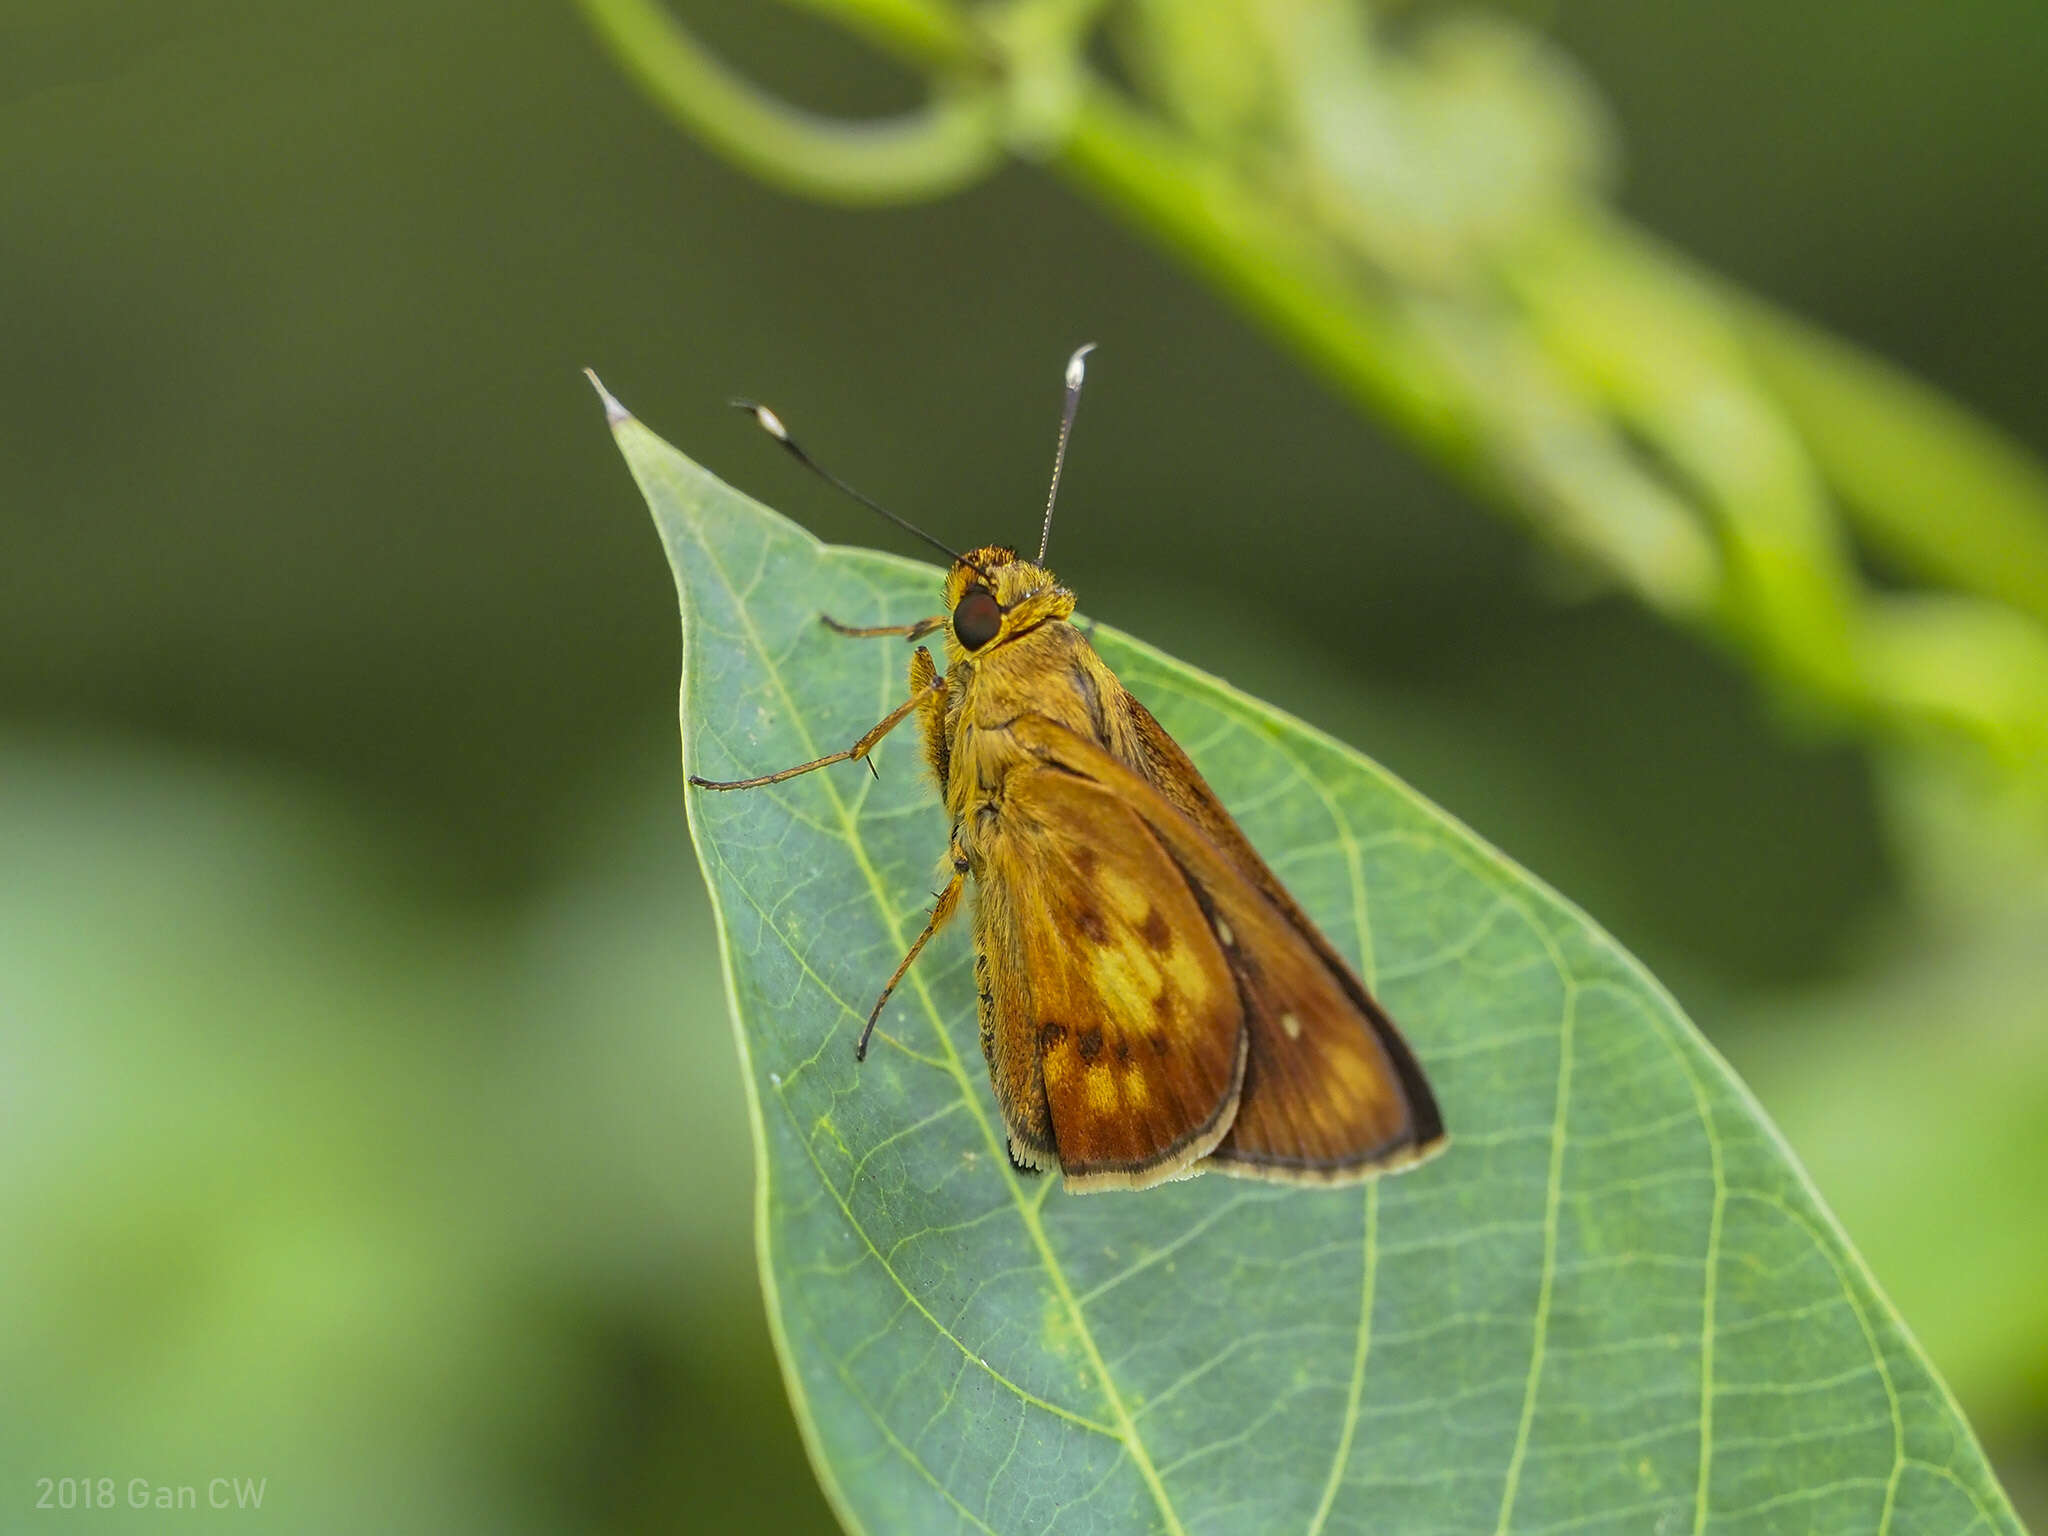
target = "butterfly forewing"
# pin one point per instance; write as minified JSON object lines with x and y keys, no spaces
{"x":1330,"y":1090}
{"x":1122,"y":1005}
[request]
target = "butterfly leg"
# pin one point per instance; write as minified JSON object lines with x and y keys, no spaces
{"x":947,"y":903}
{"x":915,"y":631}
{"x":860,"y":748}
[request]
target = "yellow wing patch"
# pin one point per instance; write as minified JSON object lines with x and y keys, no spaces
{"x":1122,"y":1000}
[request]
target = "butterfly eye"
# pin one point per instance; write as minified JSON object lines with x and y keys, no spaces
{"x":977,"y":618}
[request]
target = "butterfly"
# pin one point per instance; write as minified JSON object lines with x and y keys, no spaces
{"x":1153,"y":1002}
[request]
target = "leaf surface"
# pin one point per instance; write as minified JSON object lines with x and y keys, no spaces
{"x":1614,"y":1305}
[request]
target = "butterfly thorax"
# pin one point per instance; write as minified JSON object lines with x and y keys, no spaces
{"x":1052,"y":673}
{"x":1035,"y":663}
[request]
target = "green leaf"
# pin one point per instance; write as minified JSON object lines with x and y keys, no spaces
{"x":1614,"y":1305}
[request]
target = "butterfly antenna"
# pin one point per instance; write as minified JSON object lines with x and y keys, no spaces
{"x":1077,"y":370}
{"x":772,"y":424}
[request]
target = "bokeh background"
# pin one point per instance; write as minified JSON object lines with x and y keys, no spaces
{"x":369,"y":1119}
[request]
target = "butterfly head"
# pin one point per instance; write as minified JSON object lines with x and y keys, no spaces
{"x":992,"y":597}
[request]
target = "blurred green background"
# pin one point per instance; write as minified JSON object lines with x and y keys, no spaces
{"x":369,"y":1120}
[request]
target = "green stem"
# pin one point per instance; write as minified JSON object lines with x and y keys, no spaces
{"x":1202,"y":211}
{"x":1655,"y":349}
{"x":921,"y":33}
{"x":1751,"y":416}
{"x":1932,"y":487}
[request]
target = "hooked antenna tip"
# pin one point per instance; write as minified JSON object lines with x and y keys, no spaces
{"x":1077,"y":365}
{"x":768,"y":420}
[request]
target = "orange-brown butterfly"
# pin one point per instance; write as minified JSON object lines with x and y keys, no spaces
{"x":1153,"y":1002}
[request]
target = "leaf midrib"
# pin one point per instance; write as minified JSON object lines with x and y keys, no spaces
{"x":1027,"y":1211}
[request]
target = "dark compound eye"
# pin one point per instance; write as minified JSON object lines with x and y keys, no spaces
{"x":977,"y":618}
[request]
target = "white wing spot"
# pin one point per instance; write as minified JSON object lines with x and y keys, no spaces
{"x":1223,"y":932}
{"x":1292,"y":1025}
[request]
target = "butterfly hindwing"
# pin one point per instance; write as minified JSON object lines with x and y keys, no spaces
{"x":1324,"y":1096}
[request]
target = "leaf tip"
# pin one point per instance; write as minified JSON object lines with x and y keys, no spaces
{"x":614,"y":413}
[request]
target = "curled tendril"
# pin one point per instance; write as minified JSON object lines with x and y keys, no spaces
{"x":952,"y":142}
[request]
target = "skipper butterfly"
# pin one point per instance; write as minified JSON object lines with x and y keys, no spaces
{"x":1153,"y":1002}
